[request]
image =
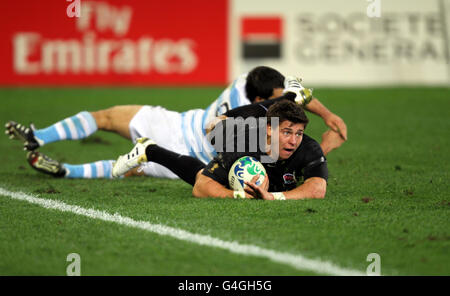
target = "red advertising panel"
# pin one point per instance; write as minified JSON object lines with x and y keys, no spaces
{"x":110,"y":42}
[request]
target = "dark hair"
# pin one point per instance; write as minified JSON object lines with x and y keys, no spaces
{"x":287,"y":110}
{"x":261,"y":81}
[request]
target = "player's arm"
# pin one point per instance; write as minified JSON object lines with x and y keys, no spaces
{"x":211,"y":183}
{"x":331,"y":140}
{"x":333,"y":121}
{"x":207,"y":187}
{"x":314,"y":187}
{"x":305,"y":98}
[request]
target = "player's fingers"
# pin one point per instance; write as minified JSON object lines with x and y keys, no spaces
{"x":250,"y":185}
{"x":252,"y":190}
{"x":343,"y":130}
{"x":339,"y":127}
{"x":265,"y":183}
{"x":255,"y":178}
{"x":249,"y":190}
{"x":332,"y":125}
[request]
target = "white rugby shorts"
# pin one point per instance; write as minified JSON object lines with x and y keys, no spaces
{"x":163,"y":127}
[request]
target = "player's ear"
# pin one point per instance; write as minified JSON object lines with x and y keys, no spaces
{"x":269,"y":130}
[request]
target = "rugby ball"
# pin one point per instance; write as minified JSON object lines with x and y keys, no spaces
{"x":244,"y":169}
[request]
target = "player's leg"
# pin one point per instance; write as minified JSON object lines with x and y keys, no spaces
{"x":93,"y":170}
{"x":46,"y":165}
{"x":163,"y":127}
{"x":79,"y":126}
{"x":185,"y":167}
{"x":116,"y":119}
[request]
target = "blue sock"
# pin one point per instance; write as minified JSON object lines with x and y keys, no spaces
{"x":76,"y":127}
{"x":98,"y":169}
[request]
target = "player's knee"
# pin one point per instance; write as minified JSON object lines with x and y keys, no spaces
{"x":103,"y":118}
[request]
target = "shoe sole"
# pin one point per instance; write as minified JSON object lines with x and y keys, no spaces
{"x":46,"y":166}
{"x":14,"y":134}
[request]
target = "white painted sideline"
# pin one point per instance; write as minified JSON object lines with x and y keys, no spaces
{"x":294,"y":260}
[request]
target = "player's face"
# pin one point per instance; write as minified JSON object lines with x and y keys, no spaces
{"x":290,"y":137}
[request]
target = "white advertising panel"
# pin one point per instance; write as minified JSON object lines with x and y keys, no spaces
{"x":344,"y":42}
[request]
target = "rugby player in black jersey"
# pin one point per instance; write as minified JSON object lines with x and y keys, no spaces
{"x":299,"y":158}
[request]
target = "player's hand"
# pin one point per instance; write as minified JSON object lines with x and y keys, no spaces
{"x":250,"y":190}
{"x":261,"y":191}
{"x":212,"y":124}
{"x":302,"y":95}
{"x":330,"y":141}
{"x":336,"y":124}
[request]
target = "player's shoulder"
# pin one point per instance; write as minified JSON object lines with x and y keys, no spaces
{"x":309,"y":148}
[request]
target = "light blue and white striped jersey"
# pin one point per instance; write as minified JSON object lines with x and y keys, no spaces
{"x":194,"y":122}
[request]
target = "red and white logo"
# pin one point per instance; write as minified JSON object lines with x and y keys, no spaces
{"x":289,"y":178}
{"x":261,"y":37}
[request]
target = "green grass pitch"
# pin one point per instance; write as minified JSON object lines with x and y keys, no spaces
{"x":388,"y":193}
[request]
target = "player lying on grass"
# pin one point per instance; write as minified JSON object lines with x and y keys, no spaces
{"x":187,"y":129}
{"x":330,"y":141}
{"x":299,"y":156}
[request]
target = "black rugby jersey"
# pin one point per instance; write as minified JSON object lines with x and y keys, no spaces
{"x":306,"y":162}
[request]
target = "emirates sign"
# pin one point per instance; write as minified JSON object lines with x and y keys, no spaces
{"x":110,"y":42}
